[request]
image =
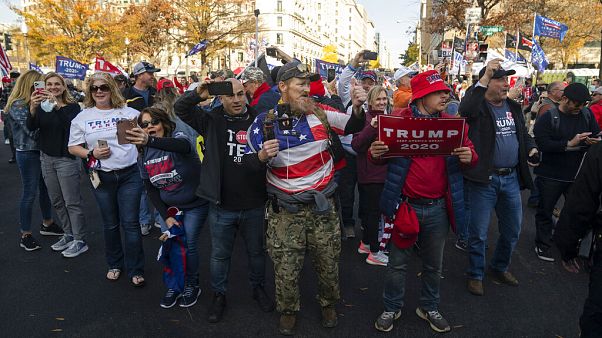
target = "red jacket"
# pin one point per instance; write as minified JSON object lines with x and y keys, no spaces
{"x":596,"y":108}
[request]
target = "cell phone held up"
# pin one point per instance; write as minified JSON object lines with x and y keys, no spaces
{"x":368,"y":55}
{"x":220,"y":88}
{"x":534,"y":159}
{"x":331,"y":74}
{"x":122,"y":127}
{"x":38,"y":86}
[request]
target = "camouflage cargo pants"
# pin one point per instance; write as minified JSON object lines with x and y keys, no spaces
{"x":288,"y":236}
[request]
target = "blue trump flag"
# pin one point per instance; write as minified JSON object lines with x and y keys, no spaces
{"x":549,"y":28}
{"x":202,"y":45}
{"x":323,"y":66}
{"x":35,"y":67}
{"x":70,"y":69}
{"x":513,"y":57}
{"x":538,"y":57}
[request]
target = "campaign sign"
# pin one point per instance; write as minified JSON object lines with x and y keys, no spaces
{"x":410,"y":136}
{"x":70,"y":69}
{"x":323,"y":66}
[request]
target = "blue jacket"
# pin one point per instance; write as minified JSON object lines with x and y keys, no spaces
{"x":397,"y":172}
{"x":23,"y":138}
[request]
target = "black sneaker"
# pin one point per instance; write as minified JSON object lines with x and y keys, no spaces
{"x":190,"y":296}
{"x":29,"y":243}
{"x":435,"y":320}
{"x":51,"y":230}
{"x":218,"y":305}
{"x":544,"y":254}
{"x":462,"y":245}
{"x":170,"y":299}
{"x":263,"y":300}
{"x":384,"y":322}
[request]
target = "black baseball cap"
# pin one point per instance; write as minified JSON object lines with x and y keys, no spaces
{"x":577,"y":92}
{"x":498,"y":74}
{"x":291,"y":70}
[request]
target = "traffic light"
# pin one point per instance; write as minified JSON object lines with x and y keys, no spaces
{"x":483,"y":52}
{"x":8,"y":45}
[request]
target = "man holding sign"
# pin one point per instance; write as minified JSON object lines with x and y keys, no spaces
{"x":422,"y":196}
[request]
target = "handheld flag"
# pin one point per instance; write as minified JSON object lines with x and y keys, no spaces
{"x":201,"y":46}
{"x":104,"y":66}
{"x":35,"y":67}
{"x":538,"y":57}
{"x":70,"y":69}
{"x":549,"y":28}
{"x":4,"y":61}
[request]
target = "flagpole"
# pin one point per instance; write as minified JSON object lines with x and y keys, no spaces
{"x":516,"y":44}
{"x":533,"y":40}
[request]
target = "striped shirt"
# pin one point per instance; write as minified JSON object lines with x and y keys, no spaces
{"x":303,"y":162}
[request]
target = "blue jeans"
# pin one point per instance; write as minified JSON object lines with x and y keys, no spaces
{"x":118,"y":198}
{"x":434,"y":227}
{"x":503,"y":195}
{"x":194,"y":219}
{"x":224,"y":224}
{"x":30,"y":169}
{"x":146,"y":216}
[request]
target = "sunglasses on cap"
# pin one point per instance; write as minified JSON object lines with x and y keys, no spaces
{"x":145,"y":124}
{"x":103,"y":88}
{"x":290,"y":73}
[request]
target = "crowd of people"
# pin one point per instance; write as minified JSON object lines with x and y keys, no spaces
{"x":278,"y":157}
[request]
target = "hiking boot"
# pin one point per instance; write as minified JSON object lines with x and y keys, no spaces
{"x":385,"y":321}
{"x":51,"y":230}
{"x":63,"y":243}
{"x":475,"y":287}
{"x":378,"y":258}
{"x":170,"y":299}
{"x":500,"y":277}
{"x":329,"y":316}
{"x":462,"y":245}
{"x":29,"y":243}
{"x":287,"y":324}
{"x":263,"y":300}
{"x":75,"y":249}
{"x":543,"y":254}
{"x":145,"y":229}
{"x":363,"y":248}
{"x":190,"y":296}
{"x":435,"y":320}
{"x":218,"y":305}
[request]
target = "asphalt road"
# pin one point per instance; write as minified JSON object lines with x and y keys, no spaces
{"x":43,"y":294}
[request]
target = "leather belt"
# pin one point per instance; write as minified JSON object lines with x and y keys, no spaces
{"x":424,"y":201}
{"x":503,"y":171}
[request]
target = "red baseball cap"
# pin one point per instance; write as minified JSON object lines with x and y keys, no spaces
{"x":427,"y":83}
{"x":164,"y":83}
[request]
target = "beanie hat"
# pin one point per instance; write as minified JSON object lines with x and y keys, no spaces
{"x":316,"y":88}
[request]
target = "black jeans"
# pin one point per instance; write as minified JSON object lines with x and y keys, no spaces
{"x":591,"y":319}
{"x":549,"y":193}
{"x":346,"y":190}
{"x":370,"y":210}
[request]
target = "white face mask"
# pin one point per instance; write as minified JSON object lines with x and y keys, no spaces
{"x":48,"y":105}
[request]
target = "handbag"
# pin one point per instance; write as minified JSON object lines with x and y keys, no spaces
{"x":405,"y":226}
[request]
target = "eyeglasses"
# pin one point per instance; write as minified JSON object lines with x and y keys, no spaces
{"x":103,"y":88}
{"x":145,"y":124}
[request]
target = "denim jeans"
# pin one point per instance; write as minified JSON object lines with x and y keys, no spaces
{"x":550,"y":190}
{"x":503,"y":195}
{"x":224,"y":224}
{"x":118,"y":198}
{"x":62,"y":177}
{"x":434,"y":227}
{"x":146,"y":210}
{"x":32,"y":182}
{"x":193,"y":220}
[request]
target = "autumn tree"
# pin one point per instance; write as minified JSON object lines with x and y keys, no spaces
{"x":450,"y":14}
{"x":78,"y":29}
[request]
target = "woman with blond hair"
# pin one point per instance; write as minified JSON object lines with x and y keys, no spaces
{"x":28,"y":160}
{"x":50,"y":112}
{"x":113,"y":172}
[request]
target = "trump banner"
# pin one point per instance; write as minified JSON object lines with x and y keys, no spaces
{"x":105,"y":66}
{"x":549,"y":28}
{"x":410,"y":136}
{"x":322,"y":68}
{"x":70,"y":69}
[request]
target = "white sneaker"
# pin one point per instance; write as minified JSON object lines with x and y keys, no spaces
{"x":363,"y":248}
{"x":378,"y":258}
{"x":6,"y":141}
{"x":63,"y":243}
{"x":77,"y":248}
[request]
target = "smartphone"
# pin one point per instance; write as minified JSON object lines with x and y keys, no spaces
{"x":102,"y":144}
{"x":271,"y":51}
{"x":534,"y":159}
{"x":220,"y":88}
{"x":39,"y":86}
{"x":122,"y":127}
{"x":331,"y":74}
{"x":368,"y":55}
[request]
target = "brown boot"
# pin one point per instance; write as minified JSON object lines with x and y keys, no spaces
{"x":329,"y":316}
{"x":475,"y":287}
{"x":505,"y":277}
{"x":287,"y":323}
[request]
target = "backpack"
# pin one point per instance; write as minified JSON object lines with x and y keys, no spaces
{"x":555,"y":115}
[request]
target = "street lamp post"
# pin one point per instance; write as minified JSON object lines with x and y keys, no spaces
{"x":127,"y":53}
{"x":257,"y":34}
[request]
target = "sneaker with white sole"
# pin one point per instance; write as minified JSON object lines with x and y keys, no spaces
{"x":384,"y":322}
{"x":51,"y":229}
{"x":157,"y":225}
{"x":145,"y":229}
{"x":63,"y":243}
{"x":77,"y":248}
{"x":435,"y":320}
{"x":363,"y":248}
{"x":190,"y":296}
{"x":170,"y":299}
{"x":29,"y":243}
{"x":543,"y":254}
{"x":378,"y":258}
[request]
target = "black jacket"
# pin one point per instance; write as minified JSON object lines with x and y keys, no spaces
{"x":136,"y":101}
{"x":580,"y":211}
{"x":482,"y":134}
{"x":211,"y":125}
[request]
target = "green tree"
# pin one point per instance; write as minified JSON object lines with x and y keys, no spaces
{"x":410,"y":55}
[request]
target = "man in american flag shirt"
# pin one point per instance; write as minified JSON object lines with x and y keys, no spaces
{"x":293,"y":141}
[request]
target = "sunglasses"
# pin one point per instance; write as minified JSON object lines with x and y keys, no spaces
{"x":103,"y":88}
{"x":290,"y":73}
{"x":145,"y":124}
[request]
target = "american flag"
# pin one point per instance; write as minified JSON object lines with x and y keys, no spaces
{"x":303,"y":161}
{"x":4,"y":61}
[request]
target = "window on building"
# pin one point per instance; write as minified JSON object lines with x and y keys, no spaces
{"x":279,"y":6}
{"x":319,"y":17}
{"x":279,"y":39}
{"x":319,"y":6}
{"x":279,"y":21}
{"x":240,"y":57}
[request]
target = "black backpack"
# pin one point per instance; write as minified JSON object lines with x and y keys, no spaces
{"x":555,"y":115}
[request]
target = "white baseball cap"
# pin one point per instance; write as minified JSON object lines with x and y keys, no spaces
{"x":403,"y":71}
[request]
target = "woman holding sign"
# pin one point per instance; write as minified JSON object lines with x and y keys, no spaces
{"x":422,"y":196}
{"x":113,"y":172}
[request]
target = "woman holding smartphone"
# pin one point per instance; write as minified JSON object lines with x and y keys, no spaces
{"x":169,"y":167}
{"x":28,"y":160}
{"x":50,"y":112}
{"x":114,"y":165}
